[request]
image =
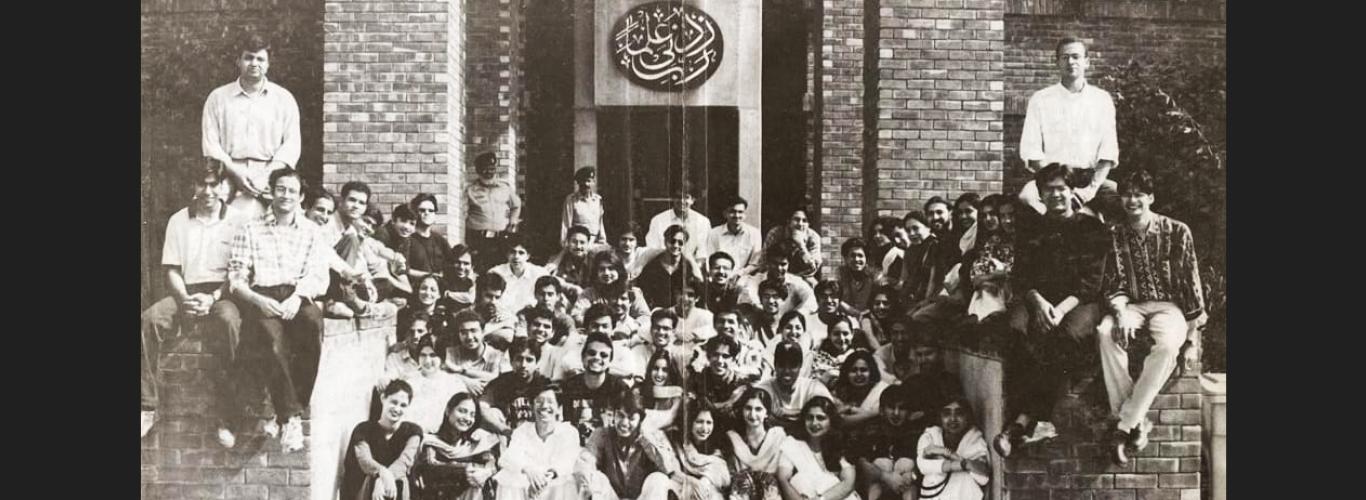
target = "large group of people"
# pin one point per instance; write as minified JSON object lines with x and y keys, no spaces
{"x":712,"y":362}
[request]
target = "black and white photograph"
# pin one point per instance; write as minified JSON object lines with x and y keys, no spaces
{"x":683,"y":249}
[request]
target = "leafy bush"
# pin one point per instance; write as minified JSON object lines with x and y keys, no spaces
{"x":1171,"y":118}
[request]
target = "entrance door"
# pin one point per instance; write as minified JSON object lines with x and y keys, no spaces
{"x":645,"y":153}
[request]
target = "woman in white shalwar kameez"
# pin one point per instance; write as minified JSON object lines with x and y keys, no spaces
{"x":539,"y":460}
{"x":953,"y":457}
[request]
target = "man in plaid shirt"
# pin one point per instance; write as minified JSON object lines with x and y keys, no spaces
{"x":276,"y":267}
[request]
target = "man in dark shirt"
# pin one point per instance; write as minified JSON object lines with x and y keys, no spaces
{"x":623,"y":460}
{"x":588,"y":395}
{"x":507,"y":400}
{"x":661,"y":279}
{"x":1057,"y":278}
{"x":428,"y":251}
{"x":721,"y":292}
{"x":719,"y":384}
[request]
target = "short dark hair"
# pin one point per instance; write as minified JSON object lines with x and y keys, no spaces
{"x":578,"y":229}
{"x":663,"y":313}
{"x":514,"y":240}
{"x":787,"y":355}
{"x":490,"y":281}
{"x":673,"y":230}
{"x":831,"y":287}
{"x":718,"y":255}
{"x":789,"y":316}
{"x":715,"y":343}
{"x":459,"y":250}
{"x":596,"y":311}
{"x":312,"y":195}
{"x":893,"y":395}
{"x":1068,"y":40}
{"x":523,"y":344}
{"x":404,"y":212}
{"x":466,"y":316}
{"x":356,"y":186}
{"x":397,"y":386}
{"x":915,"y":215}
{"x":281,"y":173}
{"x":777,"y":286}
{"x":585,"y":173}
{"x":374,"y":213}
{"x":1054,"y":171}
{"x":252,"y":43}
{"x":994,"y":200}
{"x":973,"y":199}
{"x":851,"y":244}
{"x":1137,"y":181}
{"x":210,"y":170}
{"x":421,"y":197}
{"x":936,"y":199}
{"x":629,"y":401}
{"x":599,"y":338}
{"x":738,"y":201}
{"x":545,"y":281}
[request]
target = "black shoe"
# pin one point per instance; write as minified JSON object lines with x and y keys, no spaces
{"x":1118,"y":446}
{"x":1138,"y":438}
{"x":1009,"y":439}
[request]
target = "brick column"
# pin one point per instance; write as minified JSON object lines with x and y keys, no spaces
{"x":393,"y":100}
{"x":840,"y":172}
{"x":940,"y":100}
{"x":494,"y":73}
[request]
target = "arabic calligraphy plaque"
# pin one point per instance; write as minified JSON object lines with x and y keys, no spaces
{"x":666,"y":46}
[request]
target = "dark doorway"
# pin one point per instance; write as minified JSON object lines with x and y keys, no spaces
{"x":645,"y":153}
{"x":786,"y":33}
{"x":549,"y":108}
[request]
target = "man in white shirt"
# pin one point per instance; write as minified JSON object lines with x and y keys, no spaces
{"x":681,"y":214}
{"x":1072,"y":123}
{"x":520,"y":275}
{"x":739,"y":240}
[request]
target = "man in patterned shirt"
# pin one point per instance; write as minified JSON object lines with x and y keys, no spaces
{"x":276,"y":268}
{"x":1152,"y":283}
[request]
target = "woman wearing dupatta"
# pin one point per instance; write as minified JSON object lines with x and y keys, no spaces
{"x":814,"y":466}
{"x":953,"y":457}
{"x":539,"y":460}
{"x":705,"y":475}
{"x":858,"y":391}
{"x":662,"y":391}
{"x":754,"y":460}
{"x":458,"y":459}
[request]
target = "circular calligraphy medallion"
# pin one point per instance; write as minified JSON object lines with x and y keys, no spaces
{"x":666,"y":46}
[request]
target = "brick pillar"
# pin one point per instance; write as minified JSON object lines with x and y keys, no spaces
{"x":393,"y":100}
{"x":840,"y":173}
{"x":940,"y":100}
{"x":495,"y":83}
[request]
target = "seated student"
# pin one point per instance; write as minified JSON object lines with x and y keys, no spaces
{"x":353,"y":292}
{"x":741,"y":241}
{"x":600,"y":319}
{"x":721,"y":291}
{"x":894,"y":261}
{"x":627,"y":327}
{"x":894,"y":358}
{"x":550,"y":300}
{"x":719,"y":384}
{"x":542,"y":332}
{"x":790,"y":391}
{"x":800,"y":243}
{"x":703,"y":473}
{"x":426,"y":301}
{"x":539,"y":460}
{"x":925,"y":263}
{"x":571,"y":264}
{"x":953,"y":456}
{"x":886,"y":448}
{"x":661,"y":276}
{"x":1058,"y":271}
{"x":583,"y":208}
{"x":1151,"y":284}
{"x":519,"y":273}
{"x":882,"y":307}
{"x":986,"y":268}
{"x":506,"y":404}
{"x":662,"y":390}
{"x":879,"y":239}
{"x":432,"y":386}
{"x":931,"y":385}
{"x":402,"y":358}
{"x":843,"y":340}
{"x":965,"y":211}
{"x":856,"y":279}
{"x":829,"y":310}
{"x":624,"y":460}
{"x":607,"y":272}
{"x":628,"y":250}
{"x":792,"y":328}
{"x":499,"y":324}
{"x":390,"y":273}
{"x":750,"y":359}
{"x":696,"y":322}
{"x":755,"y":447}
{"x":814,"y":462}
{"x":588,"y":395}
{"x":682,"y":215}
{"x":858,"y":390}
{"x":428,"y":251}
{"x":763,"y":316}
{"x":460,"y":279}
{"x":475,"y":362}
{"x":800,"y":296}
{"x":381,"y":452}
{"x":460,"y":456}
{"x":663,"y":325}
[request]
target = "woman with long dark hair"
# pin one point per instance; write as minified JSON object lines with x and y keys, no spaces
{"x":858,"y":390}
{"x":882,"y":307}
{"x":704,"y":474}
{"x":458,"y":459}
{"x":662,"y":391}
{"x":953,"y":456}
{"x":813,"y":464}
{"x":426,"y":297}
{"x":606,"y":270}
{"x":755,"y":444}
{"x":842,"y":339}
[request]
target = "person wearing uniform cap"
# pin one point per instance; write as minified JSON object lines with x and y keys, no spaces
{"x":493,"y":212}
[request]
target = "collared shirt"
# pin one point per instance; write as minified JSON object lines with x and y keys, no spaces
{"x":200,"y":248}
{"x":1061,"y":257}
{"x":743,"y":245}
{"x":489,"y":359}
{"x":659,"y":286}
{"x":583,"y":211}
{"x":1155,"y":264}
{"x":697,"y":226}
{"x":521,"y":290}
{"x":491,"y":207}
{"x":239,"y":125}
{"x":1071,"y":128}
{"x":806,"y":260}
{"x":626,"y":468}
{"x":265,"y":253}
{"x":800,"y":296}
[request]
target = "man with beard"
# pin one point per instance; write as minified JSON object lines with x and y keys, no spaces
{"x":939,"y":216}
{"x":587,"y":395}
{"x":722,"y":291}
{"x":492,"y":212}
{"x":571,"y":264}
{"x":623,"y":460}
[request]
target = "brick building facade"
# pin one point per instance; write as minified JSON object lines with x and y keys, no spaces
{"x":870,"y":108}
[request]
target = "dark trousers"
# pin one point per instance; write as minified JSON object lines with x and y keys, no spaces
{"x":162,"y":324}
{"x":1037,"y":363}
{"x":284,"y":353}
{"x":487,"y":250}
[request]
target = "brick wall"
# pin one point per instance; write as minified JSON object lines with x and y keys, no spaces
{"x":494,"y":69}
{"x":1115,"y":32}
{"x":182,"y":460}
{"x":187,"y":50}
{"x":392,"y":98}
{"x":940,"y":100}
{"x":840,"y":176}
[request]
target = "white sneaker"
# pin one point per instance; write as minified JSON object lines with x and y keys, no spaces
{"x":1042,"y":430}
{"x":270,"y":427}
{"x":149,"y":417}
{"x":292,"y":439}
{"x":225,"y":438}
